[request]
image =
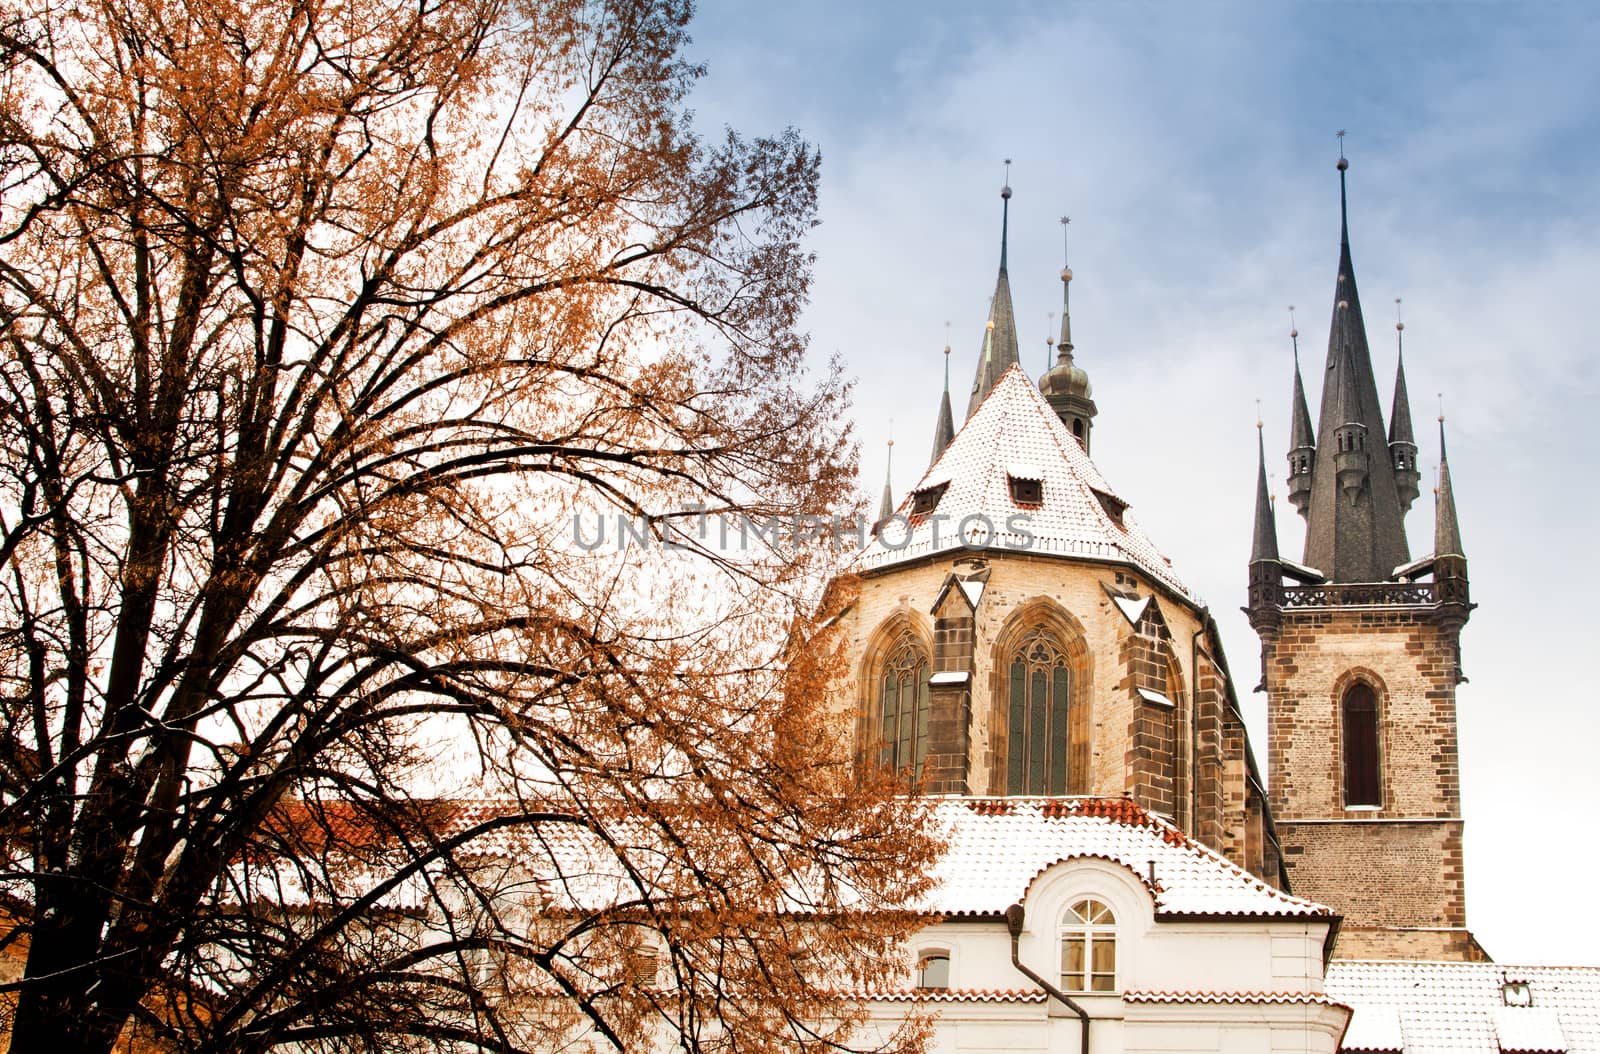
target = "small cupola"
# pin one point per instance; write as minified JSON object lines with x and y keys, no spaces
{"x":1065,"y":385}
{"x":1302,"y":441}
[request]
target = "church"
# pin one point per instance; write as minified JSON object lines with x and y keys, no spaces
{"x":1122,"y":874}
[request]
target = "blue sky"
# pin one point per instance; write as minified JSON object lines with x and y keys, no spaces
{"x":1193,"y":146}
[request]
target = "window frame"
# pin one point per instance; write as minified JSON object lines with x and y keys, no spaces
{"x":925,"y":956}
{"x":1089,"y":926}
{"x":902,"y":677}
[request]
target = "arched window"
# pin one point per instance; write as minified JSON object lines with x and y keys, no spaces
{"x":1039,"y":684}
{"x":903,"y":705}
{"x":933,"y":968}
{"x":1089,"y":948}
{"x":1361,"y":784}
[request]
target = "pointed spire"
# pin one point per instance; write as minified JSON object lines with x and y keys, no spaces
{"x":1005,"y":214}
{"x":1300,"y":433}
{"x":944,"y":428}
{"x":886,"y":507}
{"x":1065,"y":385}
{"x":1066,"y":290}
{"x":1446,"y":528}
{"x":1355,"y":521}
{"x":1000,"y":335}
{"x":1402,"y":444}
{"x":1400,"y":408}
{"x":1264,"y":545}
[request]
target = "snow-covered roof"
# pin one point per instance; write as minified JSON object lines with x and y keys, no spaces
{"x":998,"y":846}
{"x":1014,"y":430}
{"x":1426,"y":1007}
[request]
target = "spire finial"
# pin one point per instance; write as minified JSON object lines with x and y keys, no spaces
{"x":1066,"y":255}
{"x":1049,"y":340}
{"x":947,"y":356}
{"x":1005,"y":213}
{"x":1294,"y":337}
{"x":1344,"y":211}
{"x":1258,"y":414}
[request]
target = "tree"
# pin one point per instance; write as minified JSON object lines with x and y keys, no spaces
{"x":324,"y":324}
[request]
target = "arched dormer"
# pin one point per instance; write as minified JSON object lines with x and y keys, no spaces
{"x":894,"y":704}
{"x":1359,"y":698}
{"x":1041,"y":684}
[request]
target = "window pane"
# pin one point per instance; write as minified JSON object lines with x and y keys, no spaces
{"x":1072,"y":962}
{"x":1058,"y":731}
{"x":1038,"y":707}
{"x":924,"y":705}
{"x":1105,"y":954}
{"x":908,"y":716}
{"x":933,"y":971}
{"x":886,"y":730}
{"x":1016,"y":734}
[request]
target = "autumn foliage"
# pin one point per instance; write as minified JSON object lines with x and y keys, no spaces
{"x":321,"y":322}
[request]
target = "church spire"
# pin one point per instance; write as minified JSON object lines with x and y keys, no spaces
{"x":1264,"y":545}
{"x":944,"y":428}
{"x":1446,"y":529}
{"x":1355,"y":530}
{"x":999,"y":351}
{"x":1402,"y":444}
{"x":1302,"y":442}
{"x":886,"y":507}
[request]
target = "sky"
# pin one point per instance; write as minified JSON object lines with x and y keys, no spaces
{"x":1193,"y":146}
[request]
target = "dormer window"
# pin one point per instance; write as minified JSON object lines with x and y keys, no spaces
{"x":1027,"y":491}
{"x":926,"y":500}
{"x":1026,"y":484}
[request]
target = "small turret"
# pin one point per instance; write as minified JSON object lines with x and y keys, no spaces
{"x":1302,"y":441}
{"x":1065,"y":385}
{"x":944,"y":429}
{"x":886,"y":506}
{"x":1454,"y":594}
{"x":1350,"y":437}
{"x":1402,"y":444}
{"x":1266,"y":571}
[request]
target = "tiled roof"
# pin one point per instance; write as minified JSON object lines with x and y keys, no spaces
{"x":998,"y":846}
{"x":1423,"y":1008}
{"x":1014,"y":428}
{"x":957,"y":995}
{"x":1245,"y":998}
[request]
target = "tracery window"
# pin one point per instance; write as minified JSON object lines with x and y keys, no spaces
{"x":1089,"y":948}
{"x":1039,"y":683}
{"x":903,"y":706}
{"x":1360,"y":713}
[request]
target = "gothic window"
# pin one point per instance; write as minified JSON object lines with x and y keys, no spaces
{"x":1361,"y":745}
{"x":903,"y":706}
{"x":1039,"y":683}
{"x":1089,"y":948}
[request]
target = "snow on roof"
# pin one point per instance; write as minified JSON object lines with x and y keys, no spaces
{"x":998,"y":846}
{"x":1154,"y":697}
{"x":1132,"y":610}
{"x":1014,"y":430}
{"x":1462,"y":1007}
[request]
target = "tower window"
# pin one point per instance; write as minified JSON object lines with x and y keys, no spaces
{"x":1360,"y":714}
{"x":1089,"y":948}
{"x":903,"y":706}
{"x":1040,"y":684}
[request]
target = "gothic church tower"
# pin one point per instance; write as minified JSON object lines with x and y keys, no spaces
{"x":1015,"y":633}
{"x":1360,"y":662}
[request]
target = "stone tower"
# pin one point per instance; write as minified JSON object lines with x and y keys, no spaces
{"x":1360,"y":662}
